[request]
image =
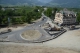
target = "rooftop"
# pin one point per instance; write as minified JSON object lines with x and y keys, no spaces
{"x":66,"y":11}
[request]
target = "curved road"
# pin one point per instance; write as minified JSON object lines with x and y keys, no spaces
{"x":14,"y":36}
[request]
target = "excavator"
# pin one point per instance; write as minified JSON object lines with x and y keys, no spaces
{"x":53,"y":27}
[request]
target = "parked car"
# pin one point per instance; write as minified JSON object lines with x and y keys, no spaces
{"x":72,"y":27}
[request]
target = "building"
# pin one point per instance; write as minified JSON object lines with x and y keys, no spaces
{"x":3,"y":9}
{"x":65,"y":17}
{"x":45,"y":9}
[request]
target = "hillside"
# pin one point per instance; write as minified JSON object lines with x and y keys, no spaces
{"x":59,"y":3}
{"x":21,"y":2}
{"x":64,"y":3}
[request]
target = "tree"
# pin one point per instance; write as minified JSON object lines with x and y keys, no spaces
{"x":54,"y":9}
{"x":8,"y":12}
{"x":78,"y":17}
{"x":48,"y":12}
{"x":36,"y":10}
{"x":4,"y":20}
{"x":53,"y":13}
{"x":13,"y":20}
{"x":0,"y":7}
{"x":23,"y":18}
{"x":0,"y":20}
{"x":29,"y":17}
{"x":23,"y":12}
{"x":1,"y":12}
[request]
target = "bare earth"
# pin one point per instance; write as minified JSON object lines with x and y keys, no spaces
{"x":32,"y":49}
{"x":69,"y":40}
{"x":31,"y":34}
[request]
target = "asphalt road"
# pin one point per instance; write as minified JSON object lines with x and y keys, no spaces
{"x":14,"y":36}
